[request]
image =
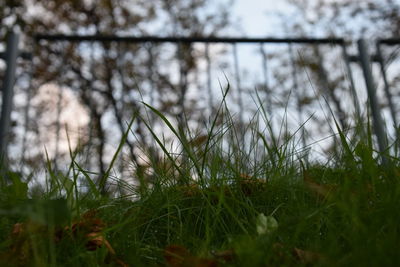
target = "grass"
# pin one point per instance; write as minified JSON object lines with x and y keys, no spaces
{"x":262,"y":204}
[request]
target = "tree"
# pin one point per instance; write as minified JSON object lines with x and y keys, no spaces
{"x":110,"y":78}
{"x":347,"y":19}
{"x":353,"y":19}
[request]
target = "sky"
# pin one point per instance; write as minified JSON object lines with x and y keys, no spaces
{"x":259,"y":17}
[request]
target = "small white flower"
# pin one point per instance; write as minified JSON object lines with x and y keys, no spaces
{"x":266,"y":224}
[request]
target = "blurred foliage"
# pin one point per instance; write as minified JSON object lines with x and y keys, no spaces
{"x":103,"y":76}
{"x":347,"y":18}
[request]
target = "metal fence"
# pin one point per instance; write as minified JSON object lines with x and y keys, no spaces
{"x":97,"y":82}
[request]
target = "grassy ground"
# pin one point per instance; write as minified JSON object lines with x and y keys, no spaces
{"x":263,"y":205}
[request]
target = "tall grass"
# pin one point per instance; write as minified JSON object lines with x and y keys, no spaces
{"x":237,"y":196}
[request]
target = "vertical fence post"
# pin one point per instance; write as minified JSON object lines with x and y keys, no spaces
{"x":328,"y":92}
{"x":298,"y":94}
{"x":150,"y":69}
{"x":240,"y":93}
{"x":238,"y":83}
{"x":8,"y":84}
{"x":209,"y":87}
{"x":379,"y":128}
{"x":266,"y":80}
{"x":353,"y":91}
{"x":386,"y":84}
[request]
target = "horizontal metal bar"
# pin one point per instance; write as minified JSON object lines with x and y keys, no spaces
{"x":390,"y":41}
{"x":356,"y":58}
{"x":24,"y":55}
{"x":157,"y":39}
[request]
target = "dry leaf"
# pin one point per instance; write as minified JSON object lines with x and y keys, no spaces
{"x":198,"y":141}
{"x":225,"y":255}
{"x":18,"y":229}
{"x":306,"y":256}
{"x":245,"y":176}
{"x":175,"y":255}
{"x":178,"y":256}
{"x":97,"y":240}
{"x":250,"y":185}
{"x":190,"y":190}
{"x":89,"y":226}
{"x":321,"y":190}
